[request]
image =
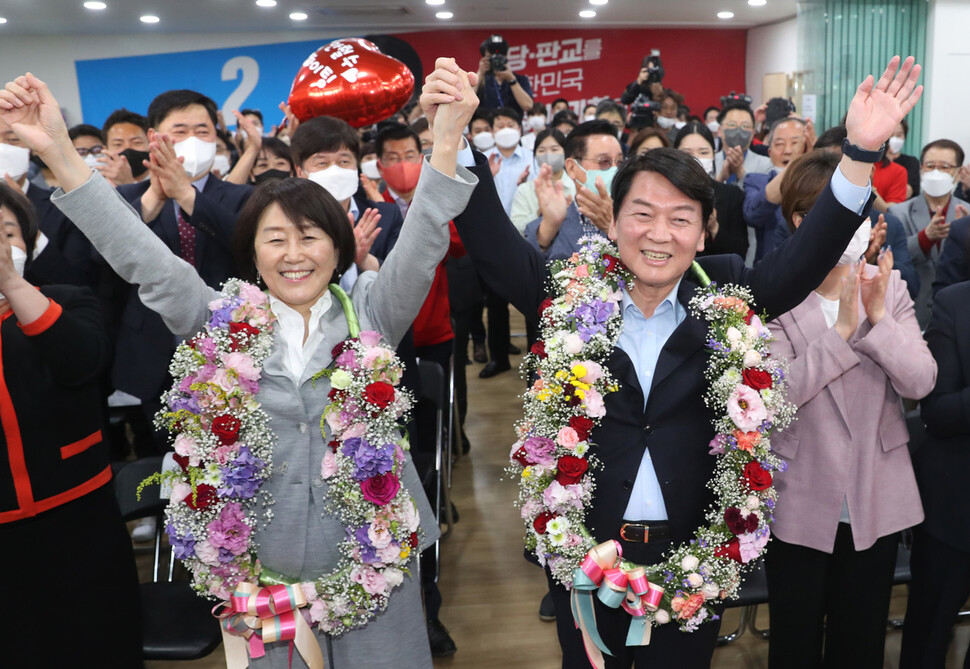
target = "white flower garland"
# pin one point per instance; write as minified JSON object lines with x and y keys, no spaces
{"x":581,"y":324}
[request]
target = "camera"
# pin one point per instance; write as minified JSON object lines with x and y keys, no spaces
{"x":777,"y":109}
{"x":498,"y":50}
{"x":642,"y":111}
{"x":653,"y":63}
{"x":733,"y":98}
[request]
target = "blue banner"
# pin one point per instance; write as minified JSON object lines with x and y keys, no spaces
{"x":255,"y":77}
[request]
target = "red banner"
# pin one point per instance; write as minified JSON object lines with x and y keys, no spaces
{"x":587,"y":65}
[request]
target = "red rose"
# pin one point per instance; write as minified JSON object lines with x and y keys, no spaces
{"x":610,"y":263}
{"x":542,"y":520}
{"x":730,"y":550}
{"x":239,"y":331}
{"x":336,"y":395}
{"x":747,"y":316}
{"x":182,"y":460}
{"x":582,"y":425}
{"x":413,"y":540}
{"x":226,"y":427}
{"x":334,"y":445}
{"x":204,"y":496}
{"x":756,"y":378}
{"x":539,"y":349}
{"x":739,"y":524}
{"x":545,"y":304}
{"x":570,"y":469}
{"x":522,"y":457}
{"x":758,"y":477}
{"x":380,"y":489}
{"x":379,"y":394}
{"x":339,"y":348}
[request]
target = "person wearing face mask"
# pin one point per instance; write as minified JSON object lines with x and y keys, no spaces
{"x":549,"y":151}
{"x":735,"y":159}
{"x":608,"y":110}
{"x":894,"y":151}
{"x":593,"y":155}
{"x":56,"y":492}
{"x":480,"y":130}
{"x":726,"y":231}
{"x":667,"y":119}
{"x":533,"y":124}
{"x":511,"y":162}
{"x":126,"y":140}
{"x":927,"y":218}
{"x":854,"y":349}
{"x":195,"y":215}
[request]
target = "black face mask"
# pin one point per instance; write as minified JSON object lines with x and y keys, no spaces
{"x":271,"y":175}
{"x":135,"y":158}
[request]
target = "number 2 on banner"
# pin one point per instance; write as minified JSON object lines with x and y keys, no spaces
{"x":249,"y":69}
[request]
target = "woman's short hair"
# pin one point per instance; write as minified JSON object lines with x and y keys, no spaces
{"x":694,"y":128}
{"x":23,"y":211}
{"x":280,"y":149}
{"x":679,"y":168}
{"x":306,"y":204}
{"x":646,"y":134}
{"x":805,"y":179}
{"x":550,"y":132}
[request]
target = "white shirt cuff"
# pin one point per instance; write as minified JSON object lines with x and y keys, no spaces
{"x":466,"y":157}
{"x":850,"y":196}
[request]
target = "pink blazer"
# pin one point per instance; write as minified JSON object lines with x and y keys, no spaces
{"x":849,"y":437}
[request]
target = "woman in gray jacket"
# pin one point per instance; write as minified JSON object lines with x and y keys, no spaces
{"x":296,"y":260}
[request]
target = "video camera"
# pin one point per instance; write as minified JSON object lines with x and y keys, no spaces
{"x":652,"y":63}
{"x":733,"y":98}
{"x":498,"y":50}
{"x":777,"y":109}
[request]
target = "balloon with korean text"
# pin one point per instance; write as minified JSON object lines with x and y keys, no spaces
{"x":352,"y":80}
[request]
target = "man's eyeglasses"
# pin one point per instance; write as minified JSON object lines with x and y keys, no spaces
{"x":605,"y":163}
{"x":731,"y":125}
{"x":943,"y":167}
{"x":93,"y":151}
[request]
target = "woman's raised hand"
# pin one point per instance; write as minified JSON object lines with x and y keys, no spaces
{"x":873,"y":289}
{"x":848,"y":318}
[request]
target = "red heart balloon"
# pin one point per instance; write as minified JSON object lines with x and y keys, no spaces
{"x":350,"y":79}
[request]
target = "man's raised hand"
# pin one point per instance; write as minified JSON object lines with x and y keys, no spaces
{"x":878,"y":107}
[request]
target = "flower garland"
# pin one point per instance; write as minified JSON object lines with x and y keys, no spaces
{"x":553,"y":461}
{"x":224,"y":447}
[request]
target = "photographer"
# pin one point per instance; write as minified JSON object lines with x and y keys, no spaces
{"x":648,"y":83}
{"x":498,"y":85}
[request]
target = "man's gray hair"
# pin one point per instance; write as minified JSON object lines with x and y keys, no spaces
{"x":781,"y":121}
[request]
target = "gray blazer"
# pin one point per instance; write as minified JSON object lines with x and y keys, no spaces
{"x":301,"y":539}
{"x":914,"y":214}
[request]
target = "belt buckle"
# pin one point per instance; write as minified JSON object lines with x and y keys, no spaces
{"x":646,"y":533}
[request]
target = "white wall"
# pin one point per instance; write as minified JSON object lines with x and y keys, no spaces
{"x":946,"y":97}
{"x":52,"y":58}
{"x":770,"y":48}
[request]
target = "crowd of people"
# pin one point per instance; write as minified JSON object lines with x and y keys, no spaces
{"x":435,"y":222}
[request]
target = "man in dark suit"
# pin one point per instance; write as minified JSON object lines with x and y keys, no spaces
{"x":193,"y":213}
{"x":653,"y":441}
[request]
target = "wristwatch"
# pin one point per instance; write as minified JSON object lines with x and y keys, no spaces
{"x":862,"y":155}
{"x":514,"y":81}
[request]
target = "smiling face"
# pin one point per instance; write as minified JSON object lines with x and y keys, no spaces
{"x":297,"y":265}
{"x":658,"y":230}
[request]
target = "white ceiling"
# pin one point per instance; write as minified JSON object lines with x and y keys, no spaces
{"x":68,"y":17}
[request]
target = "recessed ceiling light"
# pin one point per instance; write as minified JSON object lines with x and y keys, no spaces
{"x":265,"y":3}
{"x":598,"y":2}
{"x":725,"y":15}
{"x":150,"y":18}
{"x":95,"y":5}
{"x":298,"y":16}
{"x":587,"y":13}
{"x":444,"y":15}
{"x":757,"y":3}
{"x":2,"y":20}
{"x":435,"y":2}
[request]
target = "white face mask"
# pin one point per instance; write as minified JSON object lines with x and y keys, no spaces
{"x":221,"y":164}
{"x":706,"y":163}
{"x":198,"y":155}
{"x":14,"y":160}
{"x":589,"y":117}
{"x":666,"y":123}
{"x":528,"y":142}
{"x":19,"y":259}
{"x":713,"y":126}
{"x":538,"y":123}
{"x":896,"y":144}
{"x":483,"y":141}
{"x":858,"y":245}
{"x":91,"y":161}
{"x":369,"y":169}
{"x":340,"y":182}
{"x":937,"y":183}
{"x":506,"y":138}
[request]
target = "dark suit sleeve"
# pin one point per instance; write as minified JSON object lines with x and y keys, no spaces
{"x":732,"y":234}
{"x":896,"y":238}
{"x":216,"y":211}
{"x":946,"y":410}
{"x":786,"y":275}
{"x":952,"y":267}
{"x":507,"y":263}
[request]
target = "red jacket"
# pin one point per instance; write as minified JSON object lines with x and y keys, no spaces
{"x":890,"y":181}
{"x":433,"y":322}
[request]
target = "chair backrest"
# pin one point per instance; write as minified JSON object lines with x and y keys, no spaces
{"x":126,"y":484}
{"x":432,"y":383}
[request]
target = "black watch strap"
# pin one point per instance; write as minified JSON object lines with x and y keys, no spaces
{"x":862,"y":155}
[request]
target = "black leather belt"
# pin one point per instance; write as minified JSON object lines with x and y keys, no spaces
{"x":642,"y":533}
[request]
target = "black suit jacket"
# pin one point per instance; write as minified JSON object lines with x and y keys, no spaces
{"x":952,"y":267}
{"x":144,"y":345}
{"x":67,"y":258}
{"x":675,"y":426}
{"x":390,"y":225}
{"x":943,"y":462}
{"x":732,"y":233}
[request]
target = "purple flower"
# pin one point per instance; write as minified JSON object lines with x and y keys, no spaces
{"x":540,"y":450}
{"x":370,"y":460}
{"x":182,"y":546}
{"x":241,"y":477}
{"x":222,"y":316}
{"x":188,"y":403}
{"x":229,"y":530}
{"x":590,"y":319}
{"x":368,"y":554}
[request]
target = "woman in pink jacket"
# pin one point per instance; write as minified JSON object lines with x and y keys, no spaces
{"x":854,"y":349}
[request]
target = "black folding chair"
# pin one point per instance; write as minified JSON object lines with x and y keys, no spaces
{"x":178,"y":623}
{"x":753,"y":591}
